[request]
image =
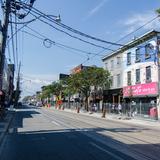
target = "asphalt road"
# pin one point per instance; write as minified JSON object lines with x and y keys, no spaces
{"x":47,"y":134}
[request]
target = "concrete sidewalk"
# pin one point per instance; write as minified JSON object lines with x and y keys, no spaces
{"x":4,"y":124}
{"x":115,"y":117}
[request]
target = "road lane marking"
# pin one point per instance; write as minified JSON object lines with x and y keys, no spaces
{"x":55,"y":123}
{"x":108,"y":152}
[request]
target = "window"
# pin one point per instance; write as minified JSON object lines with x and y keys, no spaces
{"x":148,"y":51}
{"x":112,"y":64}
{"x":129,"y":77}
{"x":118,"y":80}
{"x":129,"y":58}
{"x":118,"y":60}
{"x":137,"y":55}
{"x":148,"y":74}
{"x":111,"y":80}
{"x":106,"y":66}
{"x":137,"y":75}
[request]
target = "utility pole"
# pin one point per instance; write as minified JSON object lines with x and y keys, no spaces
{"x":17,"y":93}
{"x":4,"y":27}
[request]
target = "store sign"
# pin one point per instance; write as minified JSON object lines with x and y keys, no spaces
{"x":141,"y":90}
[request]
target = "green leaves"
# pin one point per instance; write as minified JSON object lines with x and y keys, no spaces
{"x":158,"y":10}
{"x":93,"y":76}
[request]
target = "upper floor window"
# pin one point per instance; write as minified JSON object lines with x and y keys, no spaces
{"x":111,"y":81}
{"x":118,"y":80}
{"x":148,"y":51}
{"x":106,"y":66}
{"x":118,"y":60}
{"x":148,"y":74}
{"x":129,"y":77}
{"x":129,"y":58}
{"x":112,"y":64}
{"x":137,"y":75}
{"x":137,"y":55}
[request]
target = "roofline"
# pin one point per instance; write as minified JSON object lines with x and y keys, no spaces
{"x":133,"y":43}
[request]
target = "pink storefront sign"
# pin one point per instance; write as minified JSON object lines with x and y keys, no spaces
{"x":141,"y":90}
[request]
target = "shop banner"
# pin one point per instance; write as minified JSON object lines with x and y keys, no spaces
{"x":141,"y":90}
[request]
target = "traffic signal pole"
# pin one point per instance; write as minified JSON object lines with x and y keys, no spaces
{"x":4,"y":30}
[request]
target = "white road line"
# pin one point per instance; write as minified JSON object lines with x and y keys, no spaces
{"x":55,"y":123}
{"x":108,"y":152}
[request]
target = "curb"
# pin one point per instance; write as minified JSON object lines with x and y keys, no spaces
{"x":121,"y":120}
{"x":6,"y":127}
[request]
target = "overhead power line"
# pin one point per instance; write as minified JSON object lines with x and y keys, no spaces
{"x":44,"y":38}
{"x":148,"y":22}
{"x":93,"y":44}
{"x":49,"y":17}
{"x":76,"y":31}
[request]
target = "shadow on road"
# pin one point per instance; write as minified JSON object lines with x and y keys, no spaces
{"x":76,"y":143}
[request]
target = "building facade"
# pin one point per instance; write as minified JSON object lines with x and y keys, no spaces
{"x":114,"y":64}
{"x":140,"y":74}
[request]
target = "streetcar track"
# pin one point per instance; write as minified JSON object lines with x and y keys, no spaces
{"x":120,"y":135}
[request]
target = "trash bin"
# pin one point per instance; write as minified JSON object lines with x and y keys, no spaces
{"x":153,"y":112}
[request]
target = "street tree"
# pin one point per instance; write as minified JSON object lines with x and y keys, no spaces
{"x":82,"y":81}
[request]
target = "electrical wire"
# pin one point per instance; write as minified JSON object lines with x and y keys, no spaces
{"x":83,"y":34}
{"x":148,"y":22}
{"x":36,"y":11}
{"x":60,"y":30}
{"x":60,"y":45}
{"x":93,"y":44}
{"x":48,"y":17}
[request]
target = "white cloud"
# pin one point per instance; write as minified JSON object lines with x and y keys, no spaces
{"x":96,"y":9}
{"x":137,"y":20}
{"x":32,"y":83}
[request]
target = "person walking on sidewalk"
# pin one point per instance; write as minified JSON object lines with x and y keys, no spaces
{"x":119,"y":108}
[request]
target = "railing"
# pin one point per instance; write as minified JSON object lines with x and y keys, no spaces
{"x":139,"y":110}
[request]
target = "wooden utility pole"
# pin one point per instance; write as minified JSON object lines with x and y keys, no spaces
{"x":17,"y":93}
{"x":4,"y":30}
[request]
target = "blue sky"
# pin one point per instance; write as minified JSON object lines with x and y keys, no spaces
{"x":106,"y":19}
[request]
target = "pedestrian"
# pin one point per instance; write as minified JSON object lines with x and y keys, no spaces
{"x":95,"y":107}
{"x":119,"y":108}
{"x":113,"y":108}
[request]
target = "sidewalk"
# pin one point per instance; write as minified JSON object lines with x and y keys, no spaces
{"x":119,"y":118}
{"x":4,"y":124}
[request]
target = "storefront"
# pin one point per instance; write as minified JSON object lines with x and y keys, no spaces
{"x":113,"y":96}
{"x":141,"y":99}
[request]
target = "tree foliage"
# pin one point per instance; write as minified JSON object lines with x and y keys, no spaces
{"x":81,"y":82}
{"x":158,"y":10}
